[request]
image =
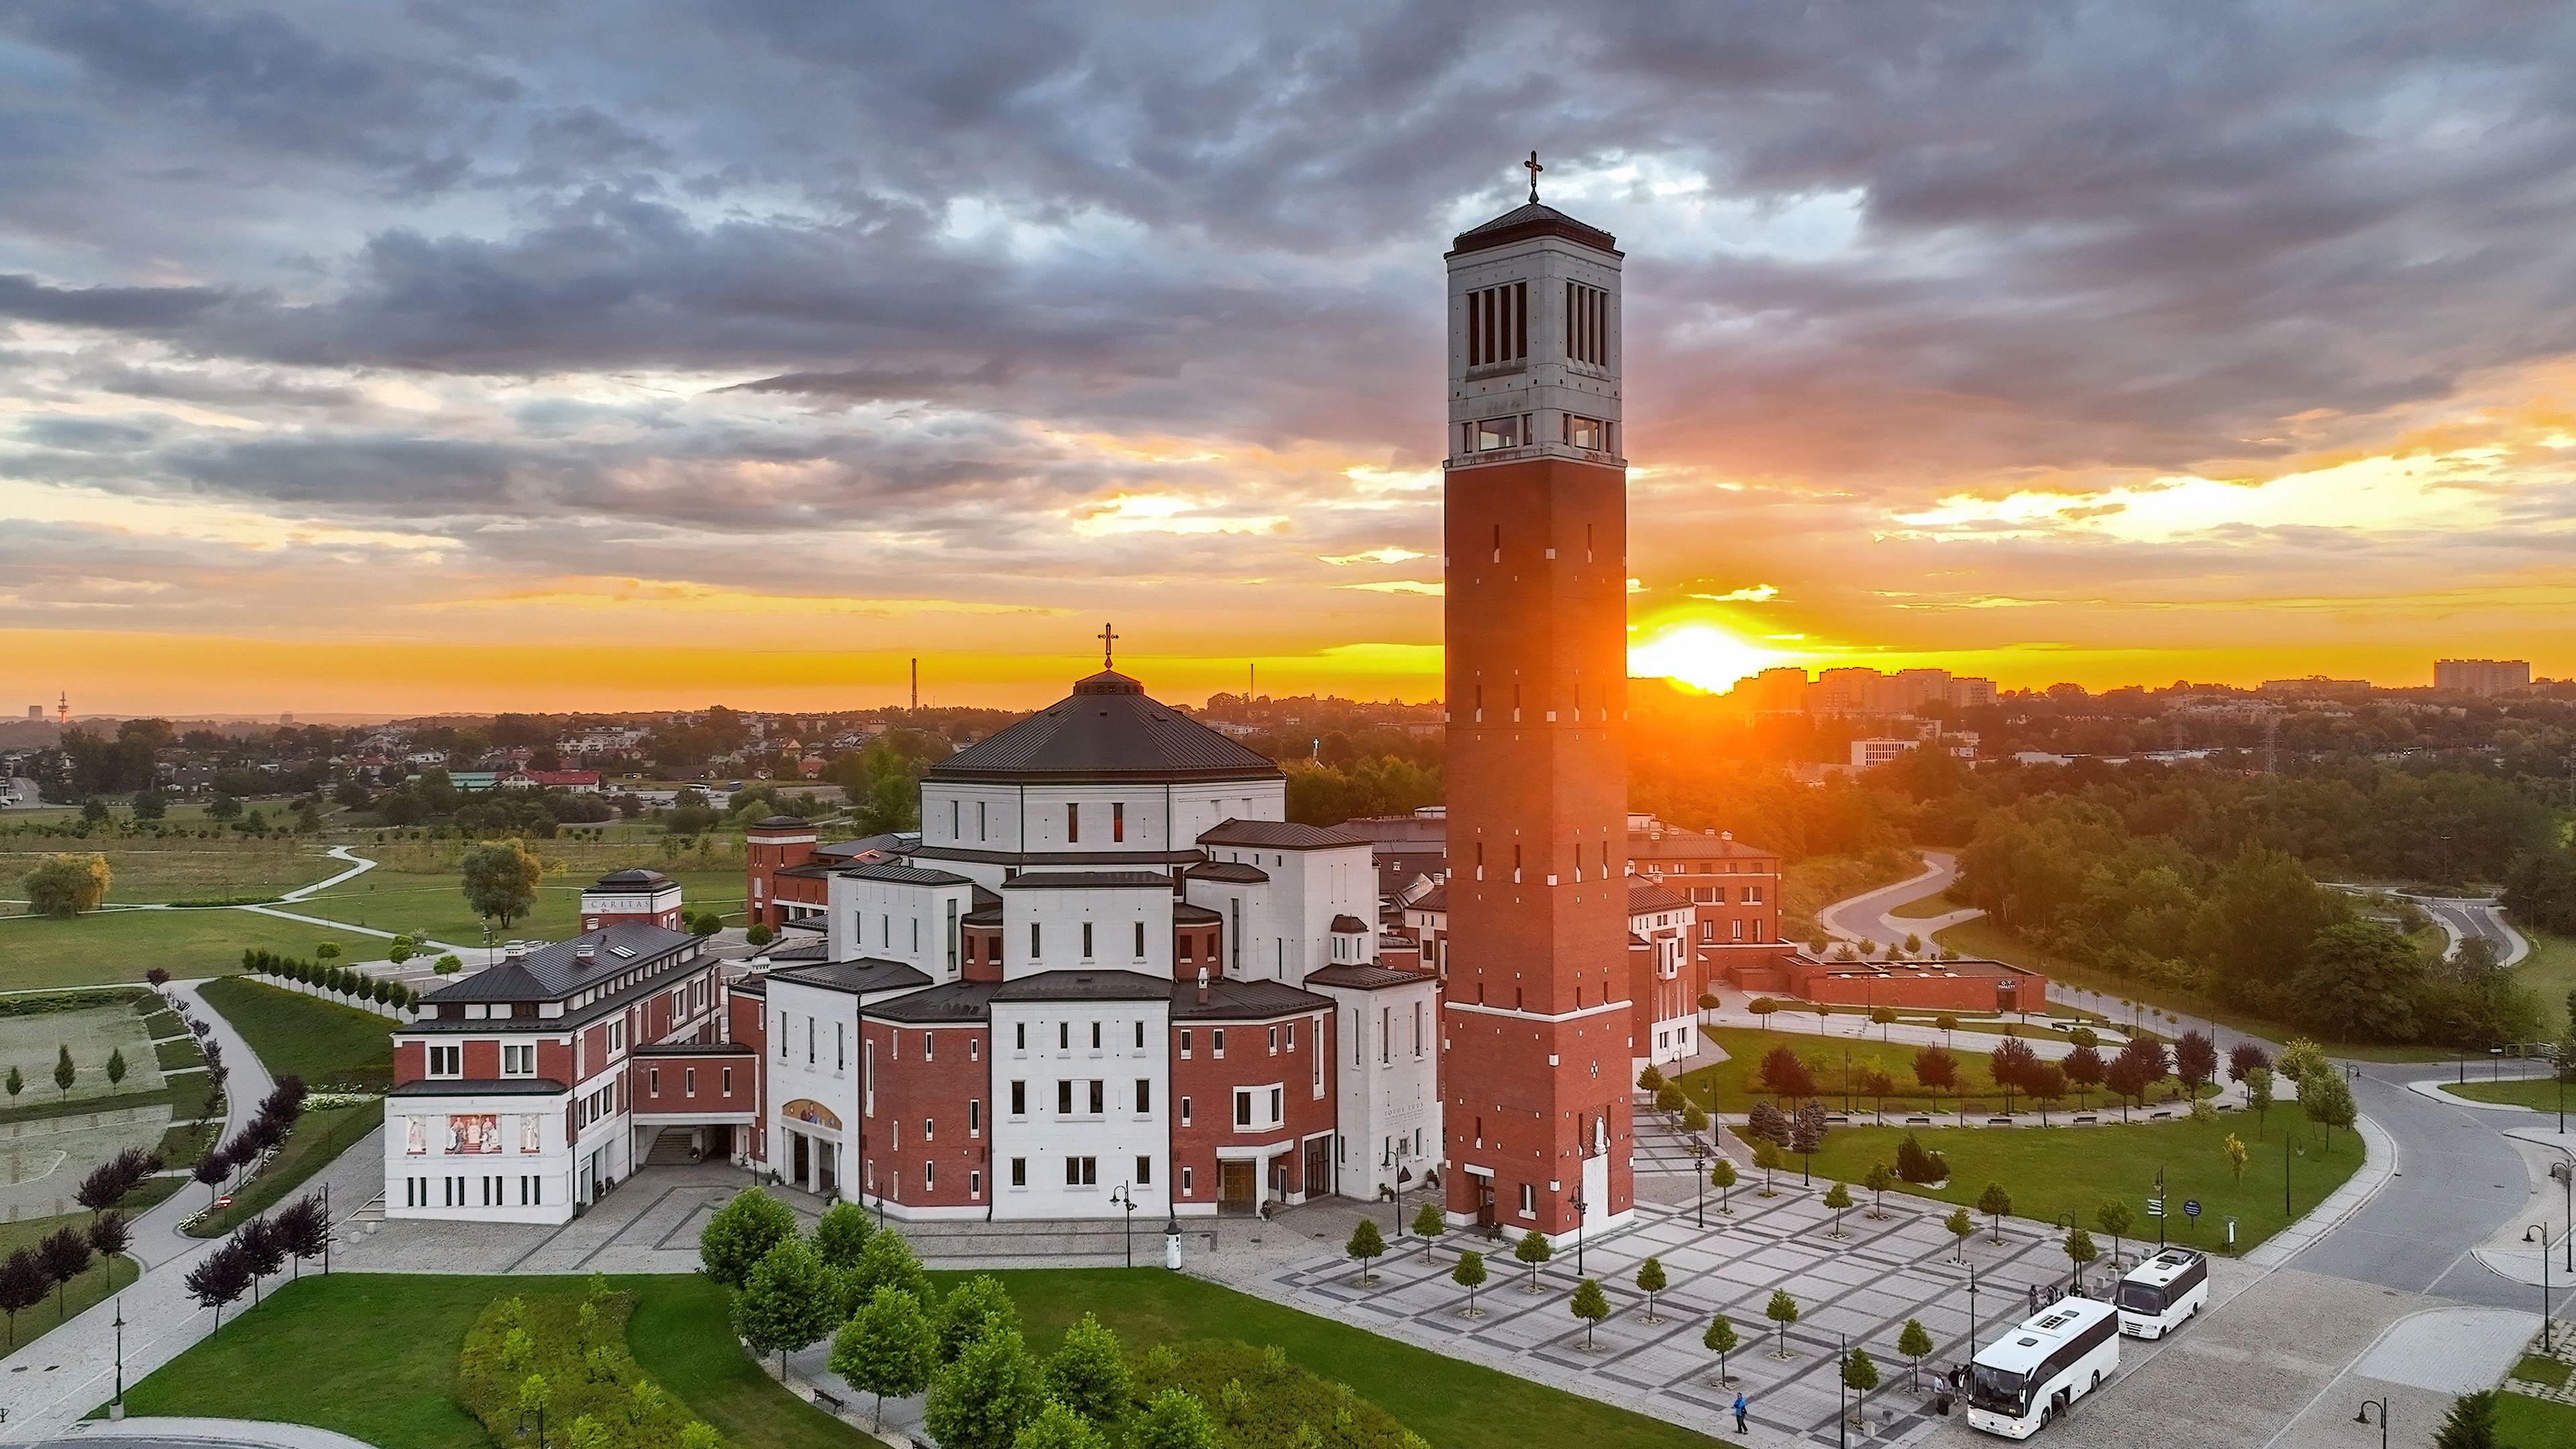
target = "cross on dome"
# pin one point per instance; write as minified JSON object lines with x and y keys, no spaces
{"x":1108,"y":647}
{"x":1533,"y":168}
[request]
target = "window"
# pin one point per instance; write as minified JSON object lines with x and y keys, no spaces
{"x":925,"y":1046}
{"x":974,"y":1050}
{"x":929,"y":1125}
{"x":1019,"y":1172}
{"x":1274,"y":1041}
{"x":1118,"y":822}
{"x":1529,"y":1200}
{"x":1072,"y":823}
{"x":979,"y":820}
{"x":1487,"y":434}
{"x":728,"y":1081}
{"x":1589,"y":433}
{"x":1140,"y":940}
{"x":1498,"y":324}
{"x":1277,"y":1113}
{"x":929,"y":1177}
{"x":1753,"y":895}
{"x":1516,"y":849}
{"x":652,"y":1081}
{"x":1216,"y":1042}
{"x":1185,"y":1043}
{"x":1144,"y":1095}
{"x":974,"y":1116}
{"x":688,"y":1081}
{"x":953,"y":807}
{"x":1140,"y":1035}
{"x":975,"y":1185}
{"x":1064,"y":1097}
{"x":1587,"y":324}
{"x":1243,"y":1109}
{"x":1019,"y":1099}
{"x":1185,"y":1111}
{"x":1082,"y":1172}
{"x":1086,"y":940}
{"x":1185,"y":1182}
{"x":518,"y":1059}
{"x":1099,"y":1098}
{"x":1095,"y":1036}
{"x":1020,"y":1035}
{"x":1144,"y":1172}
{"x":1064,"y":1036}
{"x":782,"y":1036}
{"x":446,"y":1061}
{"x":1033,"y":940}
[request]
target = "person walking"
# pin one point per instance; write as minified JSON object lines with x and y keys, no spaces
{"x":1741,"y":1409}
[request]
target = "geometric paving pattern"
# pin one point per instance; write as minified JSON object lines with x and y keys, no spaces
{"x":1863,"y":1287}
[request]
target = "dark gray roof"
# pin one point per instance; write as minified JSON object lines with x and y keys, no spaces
{"x":1076,"y":880}
{"x":1533,"y":220}
{"x":893,"y":842}
{"x":1359,"y":976}
{"x":982,"y":916}
{"x":1436,"y":900}
{"x":1085,"y":986}
{"x":1648,"y":894}
{"x":1111,"y":858}
{"x":864,"y":974}
{"x":778,"y":822}
{"x":957,"y":1001}
{"x":903,"y":875}
{"x":1233,"y":870}
{"x":634,"y":878}
{"x":1183,"y":913}
{"x":695,"y":1049}
{"x":813,"y":950}
{"x":480,"y":1087}
{"x":1107,"y":729}
{"x":551,"y":973}
{"x":1277,"y":835}
{"x":1392,"y":832}
{"x":1349,"y":925}
{"x":1233,"y":1000}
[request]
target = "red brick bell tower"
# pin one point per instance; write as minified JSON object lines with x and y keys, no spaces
{"x":1534,"y":1013}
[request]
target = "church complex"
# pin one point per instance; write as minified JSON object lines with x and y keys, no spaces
{"x":1109,"y":973}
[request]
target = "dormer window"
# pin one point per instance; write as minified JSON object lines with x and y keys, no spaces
{"x":1498,"y":324}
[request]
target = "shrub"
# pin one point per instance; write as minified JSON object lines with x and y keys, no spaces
{"x":1272,"y":1404}
{"x":1918,"y":1163}
{"x":597,"y":1380}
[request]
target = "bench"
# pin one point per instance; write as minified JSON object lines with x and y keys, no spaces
{"x":1918,"y":1121}
{"x":2087,"y":1117}
{"x":1999,"y":1121}
{"x":831,"y":1402}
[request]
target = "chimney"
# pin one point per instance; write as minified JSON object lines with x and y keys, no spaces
{"x":1726,"y":835}
{"x":585,"y":951}
{"x":1203,"y":986}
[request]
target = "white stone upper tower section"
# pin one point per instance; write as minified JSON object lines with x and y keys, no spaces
{"x":1534,"y":341}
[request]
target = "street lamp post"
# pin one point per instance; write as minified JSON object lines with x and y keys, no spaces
{"x":119,"y":1401}
{"x":1125,"y":1196}
{"x":2542,"y":1231}
{"x":2297,"y":1149}
{"x":2381,"y":1404}
{"x":1403,"y":1175}
{"x":1699,"y":1170}
{"x":1578,"y":1233}
{"x":1972,"y":1310}
{"x":1842,"y":1413}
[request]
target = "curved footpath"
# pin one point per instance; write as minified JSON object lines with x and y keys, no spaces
{"x":200,"y":1433}
{"x":50,"y":1382}
{"x":1865,"y":917}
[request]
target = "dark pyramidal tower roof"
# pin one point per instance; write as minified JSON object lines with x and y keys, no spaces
{"x":1107,"y":729}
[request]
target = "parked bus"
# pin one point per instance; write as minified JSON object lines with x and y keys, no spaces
{"x":2158,"y":1294}
{"x":2036,"y":1371}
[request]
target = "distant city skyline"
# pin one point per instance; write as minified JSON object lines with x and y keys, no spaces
{"x":405,"y":363}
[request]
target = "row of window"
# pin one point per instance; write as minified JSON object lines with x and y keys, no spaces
{"x":1037,"y":947}
{"x":457,"y":1192}
{"x":1498,"y":324}
{"x":1217,"y":810}
{"x":1064,"y":1036}
{"x":688,"y":1081}
{"x":518,"y":1059}
{"x":1514,"y":430}
{"x":1516,"y":848}
{"x":1093,"y":1094}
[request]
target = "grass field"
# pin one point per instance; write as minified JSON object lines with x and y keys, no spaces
{"x":82,"y":1291}
{"x":1939,"y":903}
{"x":2538,"y":1092}
{"x":2523,"y":1422}
{"x":1729,"y":1086}
{"x":182,"y":870}
{"x":418,"y":903}
{"x":2052,"y":1172}
{"x":119,"y":946}
{"x":373,"y":1357}
{"x":2550,"y":972}
{"x":318,"y":1137}
{"x":302,"y":1036}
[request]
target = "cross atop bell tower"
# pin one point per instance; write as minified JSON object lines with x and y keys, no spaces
{"x":1532,"y":166}
{"x":1108,"y":647}
{"x":1534,"y":338}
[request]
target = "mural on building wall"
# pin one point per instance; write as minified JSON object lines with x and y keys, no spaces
{"x":473,"y":1132}
{"x":805,"y":1109}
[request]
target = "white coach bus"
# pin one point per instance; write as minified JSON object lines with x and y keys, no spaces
{"x":2158,"y":1294}
{"x":2035,"y":1372}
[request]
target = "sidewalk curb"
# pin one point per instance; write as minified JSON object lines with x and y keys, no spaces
{"x":2378,"y":1169}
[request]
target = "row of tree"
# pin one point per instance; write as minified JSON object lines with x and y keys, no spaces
{"x":259,"y":1249}
{"x":66,"y":1072}
{"x":345,"y":981}
{"x":268,"y":1129}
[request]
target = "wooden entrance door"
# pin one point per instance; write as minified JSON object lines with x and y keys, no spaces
{"x":1484,"y":1203}
{"x":1238,"y":1186}
{"x":1319,"y":1168}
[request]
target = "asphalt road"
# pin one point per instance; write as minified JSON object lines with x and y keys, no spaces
{"x":2478,"y":916}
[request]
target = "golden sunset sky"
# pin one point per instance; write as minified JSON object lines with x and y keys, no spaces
{"x":474,"y":358}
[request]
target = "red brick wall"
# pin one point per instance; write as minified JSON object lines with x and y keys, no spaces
{"x":922,"y":1117}
{"x":982,"y":947}
{"x":670,"y":1093}
{"x":1194,"y":947}
{"x":1551,"y":634}
{"x":761,"y":862}
{"x":1209,"y":1083}
{"x":411,"y":1061}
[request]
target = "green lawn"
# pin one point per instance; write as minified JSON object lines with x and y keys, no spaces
{"x":1452,"y":1404}
{"x":1939,"y":903}
{"x":2055,"y":1171}
{"x":303,"y":1036}
{"x":418,"y":904}
{"x":1982,"y":937}
{"x":317,"y":1137}
{"x":1729,"y":1086}
{"x":82,"y":1291}
{"x":2523,"y":1422}
{"x":119,"y":946}
{"x":2538,"y":1092}
{"x":146,"y":869}
{"x":374,"y":1357}
{"x":2550,"y":972}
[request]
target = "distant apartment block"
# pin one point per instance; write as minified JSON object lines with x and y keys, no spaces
{"x":2481,"y":676}
{"x":1861,"y":691}
{"x":1869,"y":754}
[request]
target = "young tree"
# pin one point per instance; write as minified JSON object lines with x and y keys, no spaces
{"x":327,"y":951}
{"x":1365,"y":1245}
{"x":1882,"y":1017}
{"x":66,"y":885}
{"x":2046,"y":1084}
{"x":1807,"y":1136}
{"x":1767,"y":1123}
{"x":1762,"y":1007}
{"x":885,"y":1261}
{"x":1994,"y":1202}
{"x":2083,"y":1067}
{"x":2195,"y":1058}
{"x":741,"y":1233}
{"x":1058,"y":1427}
{"x":1533,"y":1250}
{"x":2245,"y":1058}
{"x":2113,"y":1217}
{"x":2140,"y":1065}
{"x":1766,"y":1155}
{"x":108,"y":1234}
{"x":2080,"y":1253}
{"x":1591,"y":1305}
{"x":1722,"y":1176}
{"x":1088,"y":1373}
{"x":1429,"y":1221}
{"x":983,"y":1398}
{"x":786,"y":1303}
{"x":535,"y":1397}
{"x":1878,"y":1181}
{"x":1720,"y":1340}
{"x":65,"y":1254}
{"x":1948,"y":1024}
{"x":2470,"y":1424}
{"x":64,"y":1072}
{"x":1860,"y":1375}
{"x":1694,"y":1119}
{"x":1839,"y":1198}
{"x":1877,"y":1085}
{"x":976,"y":1307}
{"x":2326,"y":1099}
{"x":1651,"y":1281}
{"x":2011,"y":1066}
{"x":116,"y":1067}
{"x":1914,"y":1343}
{"x":1470,"y":1275}
{"x":888,"y":1347}
{"x":220,"y":1278}
{"x":1936,"y":1069}
{"x":305,"y":1229}
{"x":2300,"y":1060}
{"x":2234,"y":1147}
{"x":1783,"y":1074}
{"x":23,"y":1284}
{"x":840,"y":1234}
{"x":501,"y":879}
{"x":17,"y":1082}
{"x":1782,"y":1310}
{"x":1651,"y":1080}
{"x":1174,"y":1419}
{"x":261,"y":1249}
{"x":1669,"y":1099}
